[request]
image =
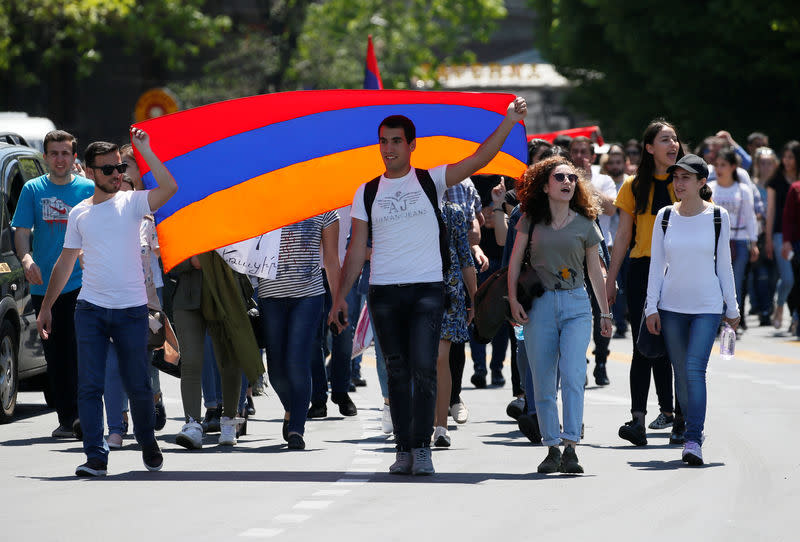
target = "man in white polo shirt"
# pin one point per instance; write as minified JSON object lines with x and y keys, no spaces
{"x":112,"y":304}
{"x":406,"y":295}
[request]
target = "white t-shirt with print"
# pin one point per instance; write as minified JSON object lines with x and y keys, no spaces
{"x":405,"y":233}
{"x":606,"y":186}
{"x":108,"y":234}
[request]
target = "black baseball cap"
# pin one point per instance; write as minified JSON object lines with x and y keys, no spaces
{"x":693,"y":164}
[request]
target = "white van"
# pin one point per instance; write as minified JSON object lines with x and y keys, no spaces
{"x":33,"y":129}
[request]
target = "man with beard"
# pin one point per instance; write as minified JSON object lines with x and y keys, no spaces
{"x":112,"y":304}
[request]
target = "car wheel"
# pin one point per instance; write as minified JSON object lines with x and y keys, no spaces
{"x":8,"y":372}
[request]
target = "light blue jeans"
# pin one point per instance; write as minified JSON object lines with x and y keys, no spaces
{"x":785,"y":274}
{"x":556,"y":339}
{"x":689,"y":338}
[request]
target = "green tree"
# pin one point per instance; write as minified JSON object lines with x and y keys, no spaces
{"x":720,"y":64}
{"x":412,"y":38}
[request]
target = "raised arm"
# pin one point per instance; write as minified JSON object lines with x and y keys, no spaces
{"x":488,"y":149}
{"x":167,"y":187}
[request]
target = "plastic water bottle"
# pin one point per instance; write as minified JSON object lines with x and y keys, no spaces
{"x":727,"y":342}
{"x":519,"y":333}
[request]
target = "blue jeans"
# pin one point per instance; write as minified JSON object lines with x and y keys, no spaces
{"x":95,"y":328}
{"x":341,"y":352}
{"x":556,"y":338}
{"x":290,"y":328}
{"x":785,"y":273}
{"x":740,"y":258}
{"x":689,"y":338}
{"x":211,"y":382}
{"x":408,"y":322}
{"x":114,"y":396}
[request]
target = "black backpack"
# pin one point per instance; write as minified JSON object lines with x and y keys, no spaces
{"x":428,"y":186}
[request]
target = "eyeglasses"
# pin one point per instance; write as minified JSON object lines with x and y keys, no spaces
{"x":109,"y":169}
{"x":561,"y":177}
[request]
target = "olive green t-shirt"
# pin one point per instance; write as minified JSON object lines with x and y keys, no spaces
{"x":558,"y":255}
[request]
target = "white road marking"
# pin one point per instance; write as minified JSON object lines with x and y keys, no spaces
{"x":330,"y":493}
{"x":291,"y":518}
{"x":261,"y":533}
{"x":312,"y":505}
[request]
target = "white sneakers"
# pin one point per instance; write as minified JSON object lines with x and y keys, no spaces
{"x":227,"y":433}
{"x":386,"y":420}
{"x":191,"y":435}
{"x":459,"y":412}
{"x":441,"y":438}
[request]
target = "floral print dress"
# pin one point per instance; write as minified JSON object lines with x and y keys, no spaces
{"x":454,"y":322}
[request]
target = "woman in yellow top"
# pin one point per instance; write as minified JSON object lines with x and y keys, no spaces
{"x":639,"y":200}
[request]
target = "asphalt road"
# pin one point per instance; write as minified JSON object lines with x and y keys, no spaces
{"x":486,"y":486}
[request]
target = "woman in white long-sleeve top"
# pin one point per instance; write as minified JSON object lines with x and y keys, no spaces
{"x":690,"y":282}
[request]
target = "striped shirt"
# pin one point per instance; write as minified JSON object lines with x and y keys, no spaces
{"x":299,"y":272}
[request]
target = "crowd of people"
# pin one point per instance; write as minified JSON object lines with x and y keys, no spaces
{"x":640,"y":237}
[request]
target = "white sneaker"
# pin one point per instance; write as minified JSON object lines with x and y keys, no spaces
{"x":386,"y":420}
{"x":441,"y":438}
{"x":191,"y":435}
{"x":227,"y":431}
{"x":459,"y":412}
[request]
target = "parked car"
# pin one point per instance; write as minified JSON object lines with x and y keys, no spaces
{"x":21,"y":355}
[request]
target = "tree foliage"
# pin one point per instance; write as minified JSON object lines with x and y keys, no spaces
{"x":37,"y":36}
{"x":412,"y":38}
{"x":720,"y":64}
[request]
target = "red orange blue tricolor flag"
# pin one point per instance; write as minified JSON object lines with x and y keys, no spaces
{"x":251,"y":165}
{"x":372,"y":75}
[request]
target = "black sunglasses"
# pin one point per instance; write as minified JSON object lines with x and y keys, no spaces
{"x":109,"y":169}
{"x":561,"y":177}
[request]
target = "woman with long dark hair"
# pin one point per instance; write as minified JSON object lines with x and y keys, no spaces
{"x":562,"y":207}
{"x":777,"y":188}
{"x":639,"y":201}
{"x":736,"y":196}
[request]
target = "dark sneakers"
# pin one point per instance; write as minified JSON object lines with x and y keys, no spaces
{"x":498,"y":380}
{"x":76,"y":429}
{"x":317,"y":410}
{"x":211,"y":422}
{"x":678,"y":435}
{"x":346,"y":405}
{"x":92,"y":468}
{"x":161,"y":415}
{"x":151,"y":456}
{"x":529,"y":425}
{"x":296,"y":442}
{"x":634,"y":432}
{"x":551,"y":463}
{"x":600,"y":375}
{"x":479,"y":381}
{"x":569,"y":461}
{"x":285,"y":430}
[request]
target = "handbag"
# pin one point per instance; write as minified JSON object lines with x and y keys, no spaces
{"x":155,"y":323}
{"x":167,"y":355}
{"x":649,"y":345}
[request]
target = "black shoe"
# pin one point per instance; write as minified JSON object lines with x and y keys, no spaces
{"x":76,"y":429}
{"x":551,"y":463}
{"x":151,"y":455}
{"x":764,"y":320}
{"x":285,"y":430}
{"x":569,"y":461}
{"x":619,"y":334}
{"x":346,"y":405}
{"x":210,"y":423}
{"x":529,"y":425}
{"x":634,"y":432}
{"x":600,"y":375}
{"x":479,"y":381}
{"x":678,"y":435}
{"x":317,"y":410}
{"x":161,"y":415}
{"x":296,"y":442}
{"x":497,"y":379}
{"x":251,"y":407}
{"x":516,"y":408}
{"x":124,"y":427}
{"x":359,"y":382}
{"x":351,"y":388}
{"x":241,"y":428}
{"x":93,"y":467}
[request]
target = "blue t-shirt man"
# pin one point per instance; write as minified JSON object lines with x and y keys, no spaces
{"x":44,"y":207}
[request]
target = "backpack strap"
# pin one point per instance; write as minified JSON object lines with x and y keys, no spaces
{"x":429,"y":187}
{"x":665,"y":218}
{"x":717,"y":230}
{"x":370,"y":191}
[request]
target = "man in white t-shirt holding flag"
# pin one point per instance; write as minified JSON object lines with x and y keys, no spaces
{"x":112,"y":304}
{"x":406,"y":295}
